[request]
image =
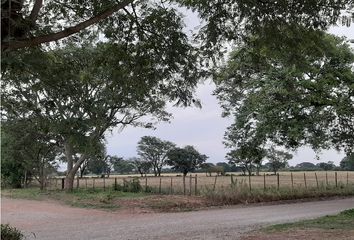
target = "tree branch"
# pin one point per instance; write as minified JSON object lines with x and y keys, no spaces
{"x":34,"y":41}
{"x":35,"y":11}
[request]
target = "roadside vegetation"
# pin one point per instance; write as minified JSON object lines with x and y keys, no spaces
{"x":10,"y":233}
{"x":339,"y":226}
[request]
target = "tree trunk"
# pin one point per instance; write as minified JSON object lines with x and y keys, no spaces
{"x":72,"y":169}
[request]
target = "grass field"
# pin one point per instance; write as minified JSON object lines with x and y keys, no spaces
{"x":339,"y":227}
{"x":174,"y":183}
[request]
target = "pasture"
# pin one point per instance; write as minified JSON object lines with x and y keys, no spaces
{"x":195,"y":183}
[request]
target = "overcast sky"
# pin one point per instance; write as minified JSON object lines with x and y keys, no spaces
{"x":203,"y":128}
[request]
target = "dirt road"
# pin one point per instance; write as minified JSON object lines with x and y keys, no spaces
{"x":46,"y":220}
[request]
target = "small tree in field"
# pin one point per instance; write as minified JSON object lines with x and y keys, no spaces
{"x":185,"y":159}
{"x":141,"y":166}
{"x":278,"y":159}
{"x":154,"y":150}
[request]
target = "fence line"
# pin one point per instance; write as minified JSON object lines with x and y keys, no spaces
{"x":178,"y":184}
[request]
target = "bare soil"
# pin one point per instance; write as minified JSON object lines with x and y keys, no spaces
{"x":49,"y":220}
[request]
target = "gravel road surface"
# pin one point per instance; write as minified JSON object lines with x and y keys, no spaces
{"x":48,"y":220}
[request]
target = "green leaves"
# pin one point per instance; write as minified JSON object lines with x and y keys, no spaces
{"x":291,"y":96}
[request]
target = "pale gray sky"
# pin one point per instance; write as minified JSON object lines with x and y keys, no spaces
{"x":204,"y":128}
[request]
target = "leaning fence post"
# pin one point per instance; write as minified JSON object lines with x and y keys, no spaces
{"x":305,"y":180}
{"x":278,"y":181}
{"x":316,"y":179}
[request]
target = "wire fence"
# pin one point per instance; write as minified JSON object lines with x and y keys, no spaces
{"x":193,"y":184}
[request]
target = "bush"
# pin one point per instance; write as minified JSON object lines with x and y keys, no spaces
{"x":129,"y":186}
{"x":10,"y":233}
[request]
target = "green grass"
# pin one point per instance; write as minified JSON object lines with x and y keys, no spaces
{"x":78,"y":198}
{"x":342,"y":221}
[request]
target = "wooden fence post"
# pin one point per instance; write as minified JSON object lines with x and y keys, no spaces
{"x":93,"y":183}
{"x":232,"y":179}
{"x":292,"y":181}
{"x":305,"y":180}
{"x":316,"y":180}
{"x":104,"y":183}
{"x":171,"y":187}
{"x":264,"y":181}
{"x":347,"y":178}
{"x":77,"y":183}
{"x":249,"y":182}
{"x":336,"y":178}
{"x":62,"y":183}
{"x":160,"y":186}
{"x":190,"y":185}
{"x":86,"y":182}
{"x":146,"y":184}
{"x":184,"y":184}
{"x":115,"y":184}
{"x":216,"y":176}
{"x":196,"y":184}
{"x":278,"y":181}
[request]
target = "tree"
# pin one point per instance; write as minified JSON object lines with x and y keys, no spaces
{"x":185,"y":159}
{"x":277,"y":159}
{"x":326,"y":166}
{"x":123,"y":166}
{"x":305,"y":166}
{"x":27,"y":151}
{"x":347,"y":163}
{"x":83,"y":91}
{"x":292,"y":95}
{"x":154,"y":150}
{"x":27,"y":24}
{"x":143,"y":167}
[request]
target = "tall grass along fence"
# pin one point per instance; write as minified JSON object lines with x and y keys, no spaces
{"x":199,"y":183}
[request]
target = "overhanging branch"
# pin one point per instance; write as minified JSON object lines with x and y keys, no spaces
{"x":34,"y":41}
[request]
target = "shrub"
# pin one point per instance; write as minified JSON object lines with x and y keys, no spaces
{"x":10,"y":233}
{"x":129,"y":186}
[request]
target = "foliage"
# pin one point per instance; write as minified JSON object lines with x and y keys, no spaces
{"x":154,"y":150}
{"x":81,"y":92}
{"x":326,"y":166}
{"x":27,"y":151}
{"x":291,"y":95}
{"x":10,"y":233}
{"x":123,"y":166}
{"x":347,"y":163}
{"x":185,"y":159}
{"x":306,"y":166}
{"x":142,"y":166}
{"x":277,"y":159}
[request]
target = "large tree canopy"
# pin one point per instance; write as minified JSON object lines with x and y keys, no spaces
{"x":80,"y":92}
{"x":31,"y":23}
{"x":292,"y":96}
